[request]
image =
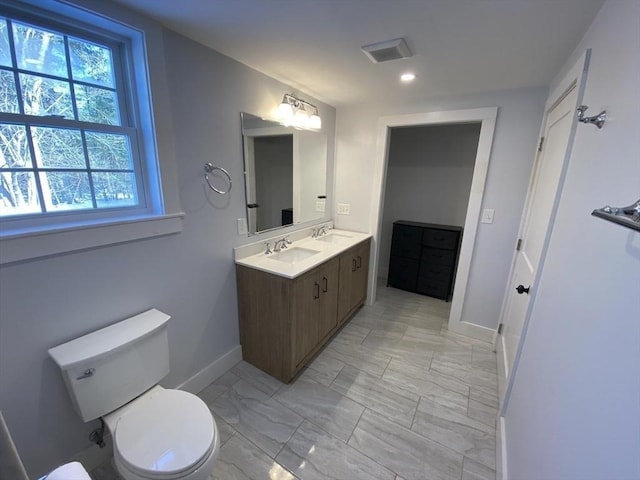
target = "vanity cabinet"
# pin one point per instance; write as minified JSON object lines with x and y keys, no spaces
{"x":354,"y":270}
{"x":284,"y":322}
{"x":424,"y":257}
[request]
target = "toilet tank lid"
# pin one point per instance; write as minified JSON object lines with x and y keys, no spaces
{"x":109,"y":339}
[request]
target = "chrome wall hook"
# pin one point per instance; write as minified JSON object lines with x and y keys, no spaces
{"x":597,"y":120}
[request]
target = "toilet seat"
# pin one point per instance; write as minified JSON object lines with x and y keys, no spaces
{"x":170,"y":435}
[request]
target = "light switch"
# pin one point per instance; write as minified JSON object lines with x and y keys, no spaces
{"x":487,"y":215}
{"x":344,"y":209}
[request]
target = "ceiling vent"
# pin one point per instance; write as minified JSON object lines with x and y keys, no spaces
{"x":386,"y":51}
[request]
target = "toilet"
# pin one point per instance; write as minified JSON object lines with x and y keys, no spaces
{"x":113,"y":374}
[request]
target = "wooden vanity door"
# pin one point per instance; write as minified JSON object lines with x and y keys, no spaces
{"x":354,"y":270}
{"x":316,"y":299}
{"x":328,"y":305}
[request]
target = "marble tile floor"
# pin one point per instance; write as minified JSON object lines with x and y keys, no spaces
{"x":393,"y":395}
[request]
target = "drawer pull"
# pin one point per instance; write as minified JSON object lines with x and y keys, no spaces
{"x":359,"y":261}
{"x":326,"y":284}
{"x":317,"y":293}
{"x":354,"y":265}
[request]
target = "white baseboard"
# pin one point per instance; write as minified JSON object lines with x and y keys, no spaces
{"x":501,"y":450}
{"x":211,"y":372}
{"x":472,"y":330}
{"x":94,"y":456}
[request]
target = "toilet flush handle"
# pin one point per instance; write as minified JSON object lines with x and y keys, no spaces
{"x":87,"y":373}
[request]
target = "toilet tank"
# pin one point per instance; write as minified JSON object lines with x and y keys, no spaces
{"x":107,"y":368}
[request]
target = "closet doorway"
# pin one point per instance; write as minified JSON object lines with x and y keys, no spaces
{"x":463,"y":213}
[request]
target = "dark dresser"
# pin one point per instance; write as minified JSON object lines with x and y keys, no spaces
{"x":424,"y":257}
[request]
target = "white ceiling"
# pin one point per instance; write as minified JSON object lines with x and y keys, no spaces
{"x":459,"y":46}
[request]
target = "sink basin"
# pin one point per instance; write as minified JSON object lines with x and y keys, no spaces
{"x":294,"y":255}
{"x":333,"y":238}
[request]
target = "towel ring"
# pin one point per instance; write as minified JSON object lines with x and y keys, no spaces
{"x":208,"y":168}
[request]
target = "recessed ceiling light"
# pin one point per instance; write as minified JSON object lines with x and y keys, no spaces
{"x":408,"y":77}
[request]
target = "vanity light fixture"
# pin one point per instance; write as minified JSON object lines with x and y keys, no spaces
{"x":297,"y":113}
{"x":407,"y":77}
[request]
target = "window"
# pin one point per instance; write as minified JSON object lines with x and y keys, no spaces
{"x":81,"y":94}
{"x":66,"y":143}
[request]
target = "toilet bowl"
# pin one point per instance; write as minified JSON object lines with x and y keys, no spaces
{"x":113,"y":374}
{"x":164,"y":434}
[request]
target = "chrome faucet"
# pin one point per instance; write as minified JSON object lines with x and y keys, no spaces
{"x":280,"y":244}
{"x":322,"y":231}
{"x":268,"y":251}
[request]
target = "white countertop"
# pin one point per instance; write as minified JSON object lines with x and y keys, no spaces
{"x":326,"y":251}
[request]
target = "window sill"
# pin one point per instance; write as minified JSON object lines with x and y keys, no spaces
{"x":25,"y":245}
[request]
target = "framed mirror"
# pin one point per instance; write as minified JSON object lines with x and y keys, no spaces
{"x":285,"y":174}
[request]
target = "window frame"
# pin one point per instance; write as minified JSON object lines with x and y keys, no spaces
{"x":148,"y":108}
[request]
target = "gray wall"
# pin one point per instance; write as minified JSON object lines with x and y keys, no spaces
{"x":188,"y":275}
{"x":514,"y":143}
{"x":575,"y":407}
{"x":429,"y":174}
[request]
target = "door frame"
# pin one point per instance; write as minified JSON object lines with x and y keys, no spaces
{"x":487,"y":118}
{"x":577,"y":76}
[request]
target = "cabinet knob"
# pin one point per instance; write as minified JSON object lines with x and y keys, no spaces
{"x":521,"y":289}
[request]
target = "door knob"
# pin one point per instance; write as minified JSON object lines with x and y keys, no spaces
{"x":520,"y":289}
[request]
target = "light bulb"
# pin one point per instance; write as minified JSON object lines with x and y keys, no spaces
{"x":315,"y":122}
{"x":301,"y":118}
{"x":285,"y":112}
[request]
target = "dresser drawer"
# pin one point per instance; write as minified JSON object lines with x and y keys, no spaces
{"x":439,"y":273}
{"x":433,"y":256}
{"x":403,"y":273}
{"x":406,"y":241}
{"x":433,"y":288}
{"x":440,"y":239}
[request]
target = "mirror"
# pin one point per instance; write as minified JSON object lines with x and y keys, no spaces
{"x":285,"y":174}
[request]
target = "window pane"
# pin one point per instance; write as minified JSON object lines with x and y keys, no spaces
{"x":115,"y":189}
{"x":43,"y":96}
{"x":58,"y":148}
{"x":5,"y":53}
{"x":14,"y":148}
{"x":39,"y":50}
{"x":97,"y":105}
{"x":91,"y":63}
{"x":66,"y":190}
{"x":18,"y":194}
{"x":8,"y":94}
{"x":108,"y":151}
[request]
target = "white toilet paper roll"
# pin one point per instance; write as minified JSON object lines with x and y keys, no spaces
{"x":69,"y":471}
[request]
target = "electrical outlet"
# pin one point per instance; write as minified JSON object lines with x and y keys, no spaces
{"x":487,"y":215}
{"x":242,"y":226}
{"x":319,"y":205}
{"x":344,"y":209}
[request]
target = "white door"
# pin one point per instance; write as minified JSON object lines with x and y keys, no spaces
{"x":537,"y":221}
